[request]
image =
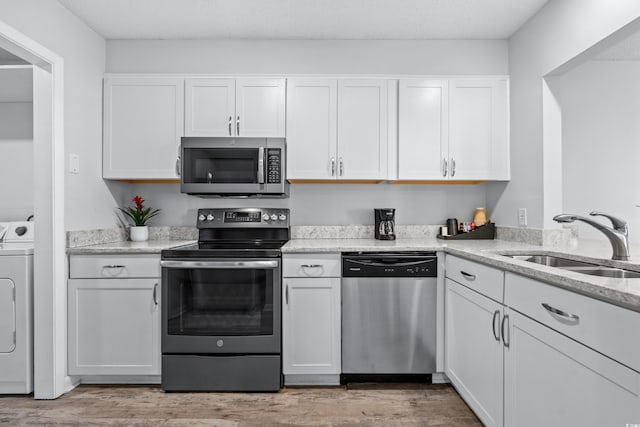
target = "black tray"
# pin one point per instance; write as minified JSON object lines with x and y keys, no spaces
{"x":485,"y":232}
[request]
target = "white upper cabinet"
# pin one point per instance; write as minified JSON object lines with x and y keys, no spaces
{"x":312,"y":112}
{"x":210,"y":107}
{"x":453,"y":129}
{"x":337,"y":129}
{"x":362,"y":129}
{"x":478,"y":129}
{"x":422,"y":128}
{"x":143,"y":123}
{"x":235,"y":107}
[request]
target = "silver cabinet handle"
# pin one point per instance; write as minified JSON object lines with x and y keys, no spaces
{"x":113,"y":266}
{"x":261,"y":165}
{"x":468,"y":276}
{"x":453,"y":166}
{"x":444,"y":167}
{"x":496,"y":333}
{"x":230,"y":119}
{"x":178,"y":166}
{"x":311,"y":265}
{"x":333,"y":166}
{"x":341,"y":167}
{"x":155,"y":294}
{"x":238,"y":126}
{"x":572,"y":317}
{"x":286,"y":294}
{"x":506,"y":339}
{"x":209,"y":177}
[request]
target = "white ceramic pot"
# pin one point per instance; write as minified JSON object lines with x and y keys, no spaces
{"x":139,"y":233}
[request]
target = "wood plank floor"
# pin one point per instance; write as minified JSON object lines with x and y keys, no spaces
{"x":144,"y":405}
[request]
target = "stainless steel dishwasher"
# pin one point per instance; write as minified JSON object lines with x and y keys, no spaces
{"x":389,"y":313}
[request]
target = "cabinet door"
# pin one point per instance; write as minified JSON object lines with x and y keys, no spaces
{"x":114,"y":326}
{"x":210,"y":107}
{"x":422,"y":129}
{"x":311,"y":326}
{"x":551,"y":380}
{"x":478,"y":129}
{"x":260,"y":107}
{"x":473,"y":350}
{"x":311,"y":128}
{"x":143,"y":123}
{"x":362,"y":129}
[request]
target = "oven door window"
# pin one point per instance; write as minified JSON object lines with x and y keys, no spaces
{"x":221,"y":166}
{"x":220,"y":302}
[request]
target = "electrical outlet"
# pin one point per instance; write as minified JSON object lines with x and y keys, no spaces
{"x":522,"y":217}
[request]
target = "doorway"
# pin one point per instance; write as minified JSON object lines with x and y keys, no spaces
{"x":50,"y":379}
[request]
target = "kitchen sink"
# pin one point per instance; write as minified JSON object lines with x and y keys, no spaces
{"x":552,"y":261}
{"x":618,"y":273}
{"x":582,"y":267}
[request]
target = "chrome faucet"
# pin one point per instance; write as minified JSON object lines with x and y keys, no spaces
{"x":618,"y":235}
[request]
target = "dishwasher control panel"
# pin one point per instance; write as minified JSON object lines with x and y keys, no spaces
{"x":413,"y":264}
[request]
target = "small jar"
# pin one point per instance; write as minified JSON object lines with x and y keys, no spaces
{"x":480,"y":217}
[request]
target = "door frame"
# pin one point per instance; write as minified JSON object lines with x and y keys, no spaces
{"x":49,"y":322}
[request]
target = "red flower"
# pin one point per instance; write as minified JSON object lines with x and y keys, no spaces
{"x":138,"y":201}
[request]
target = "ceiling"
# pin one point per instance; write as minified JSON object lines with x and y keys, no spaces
{"x":305,"y":19}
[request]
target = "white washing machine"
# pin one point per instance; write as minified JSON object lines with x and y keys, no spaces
{"x":16,"y":307}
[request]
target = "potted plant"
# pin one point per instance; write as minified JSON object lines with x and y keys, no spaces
{"x":139,"y":232}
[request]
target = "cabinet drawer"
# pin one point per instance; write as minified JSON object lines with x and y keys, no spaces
{"x":312,"y":265}
{"x":609,"y":329}
{"x":114,"y":266}
{"x":483,"y":279}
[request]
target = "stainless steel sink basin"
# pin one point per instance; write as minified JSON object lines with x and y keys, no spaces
{"x":617,"y":273}
{"x":582,"y":267}
{"x":552,"y":261}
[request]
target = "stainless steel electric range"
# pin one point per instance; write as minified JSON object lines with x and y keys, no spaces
{"x":221,"y":303}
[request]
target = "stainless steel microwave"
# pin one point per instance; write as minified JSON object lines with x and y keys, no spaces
{"x":233,"y":167}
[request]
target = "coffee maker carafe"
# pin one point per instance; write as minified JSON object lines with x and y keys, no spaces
{"x":385,"y":226}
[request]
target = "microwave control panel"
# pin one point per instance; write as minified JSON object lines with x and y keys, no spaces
{"x":274,"y":166}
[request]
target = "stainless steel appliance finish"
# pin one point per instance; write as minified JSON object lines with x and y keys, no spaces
{"x":221,"y":303}
{"x":389,"y":313}
{"x":384,"y":223}
{"x":247,"y":167}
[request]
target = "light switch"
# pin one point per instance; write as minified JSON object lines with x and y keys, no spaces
{"x":74,"y":163}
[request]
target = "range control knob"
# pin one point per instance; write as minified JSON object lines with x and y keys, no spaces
{"x":282,"y":217}
{"x":265,"y":217}
{"x":274,"y":217}
{"x":201,"y":217}
{"x":209,"y":217}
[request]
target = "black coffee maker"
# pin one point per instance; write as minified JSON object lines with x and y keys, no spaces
{"x":385,"y":226}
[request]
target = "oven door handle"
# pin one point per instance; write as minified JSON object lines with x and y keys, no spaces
{"x":220,"y":264}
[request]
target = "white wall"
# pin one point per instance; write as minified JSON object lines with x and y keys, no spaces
{"x":600,"y":103}
{"x":315,"y":204}
{"x":562,"y":30}
{"x":330,"y":204}
{"x":308,"y":56}
{"x":88,"y":202}
{"x":16,"y":143}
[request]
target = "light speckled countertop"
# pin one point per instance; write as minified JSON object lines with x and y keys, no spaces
{"x":622,"y":292}
{"x":127,"y":247}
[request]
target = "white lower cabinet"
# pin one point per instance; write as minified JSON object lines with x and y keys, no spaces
{"x":473,"y":350}
{"x":114,"y":323}
{"x":552,"y":380}
{"x":311,"y":350}
{"x":528,"y":358}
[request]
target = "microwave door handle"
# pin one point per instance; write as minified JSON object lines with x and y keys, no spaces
{"x":261,"y":165}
